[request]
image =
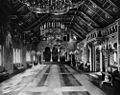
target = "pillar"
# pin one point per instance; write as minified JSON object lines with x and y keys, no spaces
{"x":101,"y":62}
{"x":93,"y":58}
{"x":118,"y":45}
{"x":51,"y":56}
{"x":58,"y":54}
{"x":42,"y":57}
{"x":90,"y":59}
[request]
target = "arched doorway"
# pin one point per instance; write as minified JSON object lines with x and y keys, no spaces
{"x":97,"y":59}
{"x":47,"y":54}
{"x":55,"y":54}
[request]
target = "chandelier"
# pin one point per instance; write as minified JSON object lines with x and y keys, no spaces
{"x":56,"y":7}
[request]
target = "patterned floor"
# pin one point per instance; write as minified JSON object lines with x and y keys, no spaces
{"x":53,"y":79}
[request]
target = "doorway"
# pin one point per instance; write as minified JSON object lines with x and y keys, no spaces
{"x":55,"y":54}
{"x":47,"y":54}
{"x":97,"y":59}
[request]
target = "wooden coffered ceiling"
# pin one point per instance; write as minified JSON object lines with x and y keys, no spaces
{"x":81,"y":20}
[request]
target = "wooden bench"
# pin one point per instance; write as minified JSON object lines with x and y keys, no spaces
{"x":18,"y":67}
{"x":3,"y":74}
{"x":29,"y":64}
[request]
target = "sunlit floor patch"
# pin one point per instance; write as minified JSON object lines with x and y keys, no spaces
{"x":77,"y":93}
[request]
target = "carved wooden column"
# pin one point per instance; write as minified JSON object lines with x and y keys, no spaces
{"x":118,"y":45}
{"x":101,"y":59}
{"x":90,"y":59}
{"x":51,"y":56}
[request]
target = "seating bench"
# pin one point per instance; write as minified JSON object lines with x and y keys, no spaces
{"x":29,"y":64}
{"x":3,"y":74}
{"x":18,"y":67}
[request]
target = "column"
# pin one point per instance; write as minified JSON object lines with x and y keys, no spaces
{"x":101,"y":62}
{"x":118,"y":45}
{"x":94,"y":64}
{"x":51,"y":55}
{"x":106,"y":60}
{"x":42,"y":57}
{"x":90,"y":53}
{"x":3,"y":55}
{"x":93,"y":58}
{"x":58,"y":54}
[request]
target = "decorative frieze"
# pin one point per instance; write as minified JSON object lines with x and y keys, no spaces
{"x":110,"y":29}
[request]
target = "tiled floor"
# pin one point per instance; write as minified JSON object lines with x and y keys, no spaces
{"x":53,"y":79}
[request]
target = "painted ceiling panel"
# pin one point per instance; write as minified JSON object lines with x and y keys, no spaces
{"x":87,"y":10}
{"x":84,"y":24}
{"x":109,"y":7}
{"x":77,"y":33}
{"x":107,"y":17}
{"x":80,"y":28}
{"x":113,"y":9}
{"x":88,"y":19}
{"x":91,"y":5}
{"x":80,"y":31}
{"x":106,"y":5}
{"x":100,"y":20}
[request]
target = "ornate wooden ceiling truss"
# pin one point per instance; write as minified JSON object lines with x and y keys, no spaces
{"x":81,"y":20}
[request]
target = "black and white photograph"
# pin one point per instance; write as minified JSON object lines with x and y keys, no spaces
{"x":59,"y":47}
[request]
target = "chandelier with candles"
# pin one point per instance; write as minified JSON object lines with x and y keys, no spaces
{"x":56,"y":7}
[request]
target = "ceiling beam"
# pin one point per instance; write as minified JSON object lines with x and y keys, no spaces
{"x":72,"y":30}
{"x":116,"y":2}
{"x":95,"y":13}
{"x":39,"y":20}
{"x":101,"y":9}
{"x":79,"y":32}
{"x":113,"y":3}
{"x":77,"y":27}
{"x":82,"y":2}
{"x":90,"y":19}
{"x":85,"y":22}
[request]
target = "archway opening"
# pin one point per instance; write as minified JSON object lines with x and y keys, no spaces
{"x":55,"y":54}
{"x":47,"y":54}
